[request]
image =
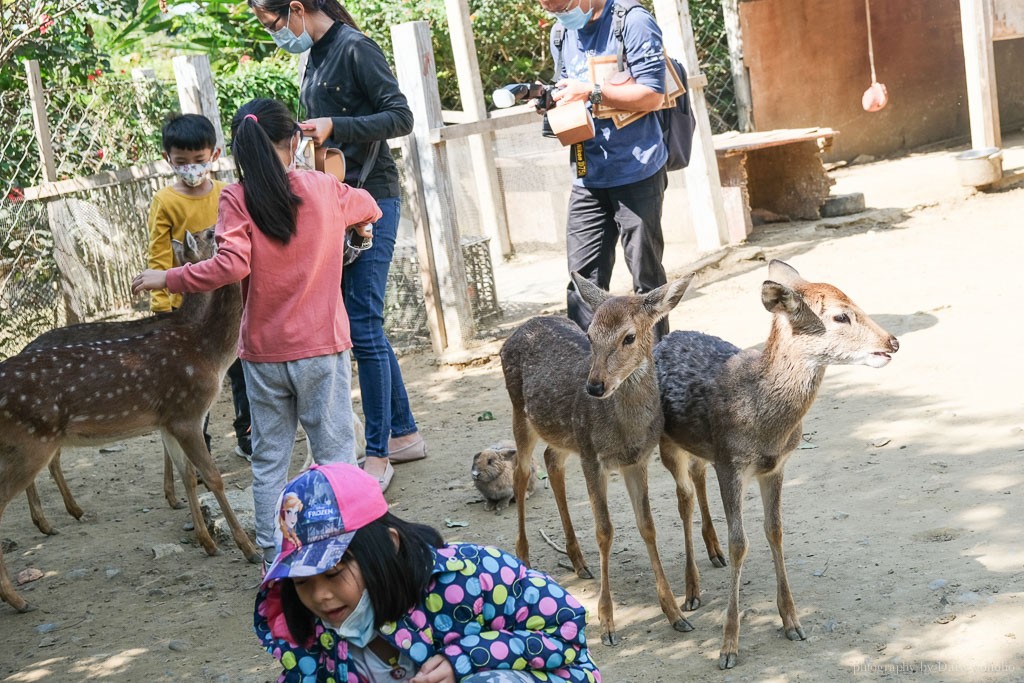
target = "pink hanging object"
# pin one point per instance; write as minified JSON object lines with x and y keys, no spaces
{"x":877,"y":95}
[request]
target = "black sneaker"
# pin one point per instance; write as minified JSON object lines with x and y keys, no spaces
{"x":244,"y":447}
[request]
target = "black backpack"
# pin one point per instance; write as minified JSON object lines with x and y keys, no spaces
{"x":677,"y":123}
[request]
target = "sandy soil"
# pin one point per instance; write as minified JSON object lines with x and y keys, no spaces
{"x":903,"y":510}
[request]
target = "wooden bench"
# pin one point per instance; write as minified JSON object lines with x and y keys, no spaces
{"x":775,"y":170}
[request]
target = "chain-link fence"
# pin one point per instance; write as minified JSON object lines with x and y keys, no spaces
{"x":713,"y":52}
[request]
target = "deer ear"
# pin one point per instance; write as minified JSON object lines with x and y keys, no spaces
{"x":665,"y":298}
{"x":190,"y":242}
{"x":784,"y":273}
{"x":781,"y":299}
{"x":178,"y":250}
{"x":591,"y":294}
{"x":508,"y":453}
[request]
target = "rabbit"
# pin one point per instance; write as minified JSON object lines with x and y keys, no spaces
{"x":492,"y":475}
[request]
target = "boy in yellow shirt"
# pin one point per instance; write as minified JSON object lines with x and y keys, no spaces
{"x":190,"y":204}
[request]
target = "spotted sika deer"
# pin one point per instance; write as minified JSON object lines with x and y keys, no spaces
{"x":742,"y":412}
{"x":165,"y":378}
{"x":598,"y":398}
{"x":200,"y":248}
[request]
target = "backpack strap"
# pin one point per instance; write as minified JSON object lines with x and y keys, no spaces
{"x":620,"y":8}
{"x":558,"y":38}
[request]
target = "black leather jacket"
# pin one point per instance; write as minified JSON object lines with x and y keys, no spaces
{"x":348,"y":79}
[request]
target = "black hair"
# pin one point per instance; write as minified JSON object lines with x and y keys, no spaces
{"x":190,"y":132}
{"x":332,"y":8}
{"x":258,"y":126}
{"x":395,"y":577}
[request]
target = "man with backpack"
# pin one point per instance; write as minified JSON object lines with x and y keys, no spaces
{"x":620,"y":172}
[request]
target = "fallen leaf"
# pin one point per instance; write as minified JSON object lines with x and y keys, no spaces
{"x":878,"y":443}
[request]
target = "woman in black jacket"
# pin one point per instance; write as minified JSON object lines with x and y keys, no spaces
{"x":354,"y":104}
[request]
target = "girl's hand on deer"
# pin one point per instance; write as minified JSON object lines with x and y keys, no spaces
{"x":318,"y":129}
{"x":149,"y":279}
{"x":437,"y":669}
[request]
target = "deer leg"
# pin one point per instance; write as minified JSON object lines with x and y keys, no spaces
{"x":191,"y":438}
{"x":676,"y":461}
{"x":526,"y":439}
{"x":173,"y":449}
{"x":597,"y":488}
{"x":554,"y":461}
{"x":771,"y":495}
{"x":35,"y":511}
{"x":20,"y":461}
{"x":732,"y":486}
{"x":699,"y":475}
{"x":57,"y":474}
{"x":635,"y":477}
{"x":169,"y":494}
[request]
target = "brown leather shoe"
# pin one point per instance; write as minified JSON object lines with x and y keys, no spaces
{"x":417,"y":450}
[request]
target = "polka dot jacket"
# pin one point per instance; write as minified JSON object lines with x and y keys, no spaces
{"x":483,"y":610}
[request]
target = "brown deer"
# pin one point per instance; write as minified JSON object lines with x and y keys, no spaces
{"x":595,"y":394}
{"x":201,"y":248}
{"x":742,"y":412}
{"x":165,"y":378}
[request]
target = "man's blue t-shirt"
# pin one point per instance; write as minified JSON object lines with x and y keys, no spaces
{"x":619,"y":156}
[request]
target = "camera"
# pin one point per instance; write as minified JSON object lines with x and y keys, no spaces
{"x":516,"y":93}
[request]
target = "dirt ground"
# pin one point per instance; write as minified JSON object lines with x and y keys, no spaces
{"x":903,"y":509}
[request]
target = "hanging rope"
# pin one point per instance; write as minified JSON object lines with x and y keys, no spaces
{"x":876,"y":96}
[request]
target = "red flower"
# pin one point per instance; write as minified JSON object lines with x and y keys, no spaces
{"x":542,"y":23}
{"x":45,"y":23}
{"x":15,"y":195}
{"x":91,"y":77}
{"x":98,"y":72}
{"x":244,"y":58}
{"x":100,"y":154}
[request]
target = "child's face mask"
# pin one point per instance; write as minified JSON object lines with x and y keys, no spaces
{"x":358,"y":628}
{"x":193,"y":175}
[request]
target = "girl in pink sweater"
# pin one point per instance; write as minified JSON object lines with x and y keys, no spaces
{"x":281,"y":233}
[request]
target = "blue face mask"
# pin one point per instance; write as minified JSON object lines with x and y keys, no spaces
{"x":574,"y":19}
{"x":358,"y":628}
{"x":288,"y":41}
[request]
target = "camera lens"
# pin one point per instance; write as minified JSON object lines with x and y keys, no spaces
{"x":503,"y":98}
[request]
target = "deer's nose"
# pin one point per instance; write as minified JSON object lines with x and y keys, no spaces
{"x":894,"y":343}
{"x":596,"y":390}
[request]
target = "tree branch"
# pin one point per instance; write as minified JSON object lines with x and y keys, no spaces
{"x":35,"y":22}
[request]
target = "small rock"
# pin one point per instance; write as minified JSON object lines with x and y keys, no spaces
{"x":46,"y":628}
{"x":937,"y":584}
{"x":840,"y":515}
{"x":112,"y":572}
{"x":28,"y":575}
{"x":8,"y":545}
{"x":188,"y":526}
{"x":830,"y":626}
{"x":163,"y":550}
{"x":178,"y":646}
{"x":48,"y":641}
{"x":112,"y":449}
{"x":157,"y":593}
{"x":945,"y":618}
{"x":842,"y":205}
{"x":78,"y":573}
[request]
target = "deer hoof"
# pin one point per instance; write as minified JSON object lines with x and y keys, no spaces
{"x":683,"y":626}
{"x":691,"y":604}
{"x":584,"y":573}
{"x":726,"y":660}
{"x":25,"y":607}
{"x":609,"y":639}
{"x":795,"y":633}
{"x":178,"y":505}
{"x":718,"y":561}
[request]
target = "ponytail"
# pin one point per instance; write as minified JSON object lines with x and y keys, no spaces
{"x":256,"y":129}
{"x":332,"y":8}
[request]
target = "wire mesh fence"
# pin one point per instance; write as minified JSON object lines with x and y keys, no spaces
{"x":709,"y":33}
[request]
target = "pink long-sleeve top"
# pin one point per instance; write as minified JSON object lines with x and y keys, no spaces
{"x":293,"y":307}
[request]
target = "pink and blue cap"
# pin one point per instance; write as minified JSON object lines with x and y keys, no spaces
{"x":318,"y":513}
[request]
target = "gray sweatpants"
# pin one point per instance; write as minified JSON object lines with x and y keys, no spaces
{"x":312,"y":391}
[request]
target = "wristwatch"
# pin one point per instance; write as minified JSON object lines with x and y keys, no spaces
{"x":595,"y":94}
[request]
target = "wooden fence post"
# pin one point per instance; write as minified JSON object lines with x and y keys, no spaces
{"x":489,"y":197}
{"x":196,"y":92}
{"x":976,"y":17}
{"x":417,"y":76}
{"x":703,"y":186}
{"x":740,"y":76}
{"x":42,"y":124}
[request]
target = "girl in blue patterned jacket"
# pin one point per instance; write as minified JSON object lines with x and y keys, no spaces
{"x":365,"y":597}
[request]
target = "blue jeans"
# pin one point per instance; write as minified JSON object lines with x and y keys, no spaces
{"x":385,"y":401}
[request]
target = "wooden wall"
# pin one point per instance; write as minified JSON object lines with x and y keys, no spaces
{"x":808,"y":64}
